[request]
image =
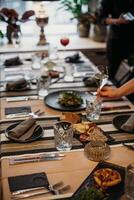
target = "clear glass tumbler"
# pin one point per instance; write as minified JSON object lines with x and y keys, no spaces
{"x":63,"y":134}
{"x":93,"y":107}
{"x":43,"y":86}
{"x":129,"y":182}
{"x":36,"y":61}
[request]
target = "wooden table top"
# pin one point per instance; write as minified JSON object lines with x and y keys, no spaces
{"x":75,"y":164}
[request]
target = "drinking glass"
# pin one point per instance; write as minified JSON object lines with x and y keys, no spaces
{"x":63,"y":134}
{"x":129,"y":182}
{"x":36,"y":61}
{"x":43,"y":86}
{"x":53,"y":52}
{"x":93,"y":107}
{"x":16,"y":38}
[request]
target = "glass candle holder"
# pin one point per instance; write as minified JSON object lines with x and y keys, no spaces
{"x":97,"y":151}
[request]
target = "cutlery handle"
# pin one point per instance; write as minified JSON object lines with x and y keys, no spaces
{"x":23,"y":196}
{"x":26,"y":190}
{"x":14,"y":162}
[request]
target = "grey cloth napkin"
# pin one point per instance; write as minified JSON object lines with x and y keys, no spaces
{"x":23,"y":128}
{"x":16,"y":85}
{"x":13,"y":61}
{"x":129,"y":124}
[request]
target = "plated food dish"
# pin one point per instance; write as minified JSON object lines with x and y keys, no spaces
{"x":88,"y":131}
{"x":53,"y":74}
{"x":55,"y":101}
{"x":71,"y":117}
{"x":36,"y":134}
{"x":111,"y":175}
{"x":70,"y":98}
{"x":106,"y":177}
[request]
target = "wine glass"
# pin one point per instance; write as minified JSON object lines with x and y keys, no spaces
{"x":64,"y":41}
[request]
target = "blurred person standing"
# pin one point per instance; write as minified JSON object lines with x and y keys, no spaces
{"x":120,"y":41}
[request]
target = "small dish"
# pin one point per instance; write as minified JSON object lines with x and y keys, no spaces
{"x":36,"y":135}
{"x":119,"y":120}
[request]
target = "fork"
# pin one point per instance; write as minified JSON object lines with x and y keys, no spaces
{"x":25,"y":114}
{"x":104,"y":81}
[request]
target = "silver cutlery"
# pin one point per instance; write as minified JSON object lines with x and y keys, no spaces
{"x":51,"y":189}
{"x":130,"y":146}
{"x":25,"y":114}
{"x":40,"y":158}
{"x":21,"y":98}
{"x":103,"y":82}
{"x":46,"y":155}
{"x":17,"y":115}
{"x":23,"y":191}
{"x":15,"y":162}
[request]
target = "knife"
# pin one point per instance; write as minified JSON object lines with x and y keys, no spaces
{"x":17,"y":115}
{"x":45,"y":155}
{"x":22,"y":98}
{"x":31,"y":160}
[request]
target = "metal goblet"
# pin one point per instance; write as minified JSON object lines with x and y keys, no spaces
{"x":42,"y":22}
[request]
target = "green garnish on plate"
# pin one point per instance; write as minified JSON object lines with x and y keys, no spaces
{"x":91,"y":194}
{"x":70,"y":98}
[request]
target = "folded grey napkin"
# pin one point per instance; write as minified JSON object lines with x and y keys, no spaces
{"x":24,"y":130}
{"x":14,"y":85}
{"x":129,"y":124}
{"x":13,"y":61}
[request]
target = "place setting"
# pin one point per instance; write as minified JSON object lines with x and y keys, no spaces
{"x":24,"y":132}
{"x":36,"y":184}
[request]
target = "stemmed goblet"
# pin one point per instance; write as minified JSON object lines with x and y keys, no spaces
{"x":42,"y":22}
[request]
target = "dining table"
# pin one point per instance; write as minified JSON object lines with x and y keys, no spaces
{"x":74,"y":167}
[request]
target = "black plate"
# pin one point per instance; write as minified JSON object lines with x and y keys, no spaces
{"x":51,"y":100}
{"x":114,"y":192}
{"x":36,"y":135}
{"x":119,"y":120}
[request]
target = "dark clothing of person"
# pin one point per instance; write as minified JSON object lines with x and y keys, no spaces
{"x":120,"y":42}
